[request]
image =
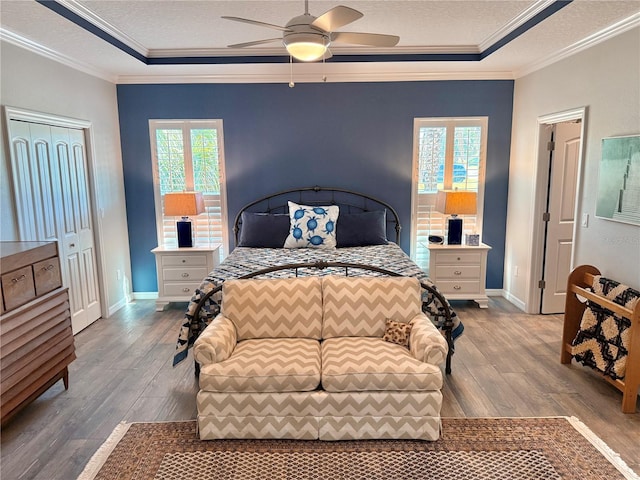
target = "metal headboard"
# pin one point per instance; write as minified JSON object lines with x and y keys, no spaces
{"x":352,"y":202}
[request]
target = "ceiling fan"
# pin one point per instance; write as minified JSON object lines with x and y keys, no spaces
{"x":307,"y":38}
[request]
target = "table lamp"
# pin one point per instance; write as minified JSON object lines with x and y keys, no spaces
{"x":454,"y":203}
{"x":183,"y":204}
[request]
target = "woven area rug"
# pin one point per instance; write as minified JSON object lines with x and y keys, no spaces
{"x":469,"y":448}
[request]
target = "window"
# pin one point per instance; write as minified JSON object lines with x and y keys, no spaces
{"x":449,"y":154}
{"x":188,"y":156}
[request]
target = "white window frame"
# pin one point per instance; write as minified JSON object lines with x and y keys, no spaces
{"x":449,"y":122}
{"x":186,"y":126}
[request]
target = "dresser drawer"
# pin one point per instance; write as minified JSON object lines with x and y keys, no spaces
{"x":459,"y":258}
{"x":47,"y":276}
{"x":191,"y":259}
{"x":184,"y":290}
{"x":18,"y":287}
{"x":464,"y":272}
{"x":184,"y":274}
{"x":455,"y":287}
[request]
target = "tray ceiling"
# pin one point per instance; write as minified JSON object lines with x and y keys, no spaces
{"x":185,"y":40}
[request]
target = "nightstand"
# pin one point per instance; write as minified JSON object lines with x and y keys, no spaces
{"x":460,"y":271}
{"x":182,"y":270}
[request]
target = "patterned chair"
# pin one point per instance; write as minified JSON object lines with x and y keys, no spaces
{"x":305,"y":358}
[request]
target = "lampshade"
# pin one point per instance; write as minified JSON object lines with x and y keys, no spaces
{"x":183,"y":204}
{"x":306,"y":47}
{"x":456,"y":202}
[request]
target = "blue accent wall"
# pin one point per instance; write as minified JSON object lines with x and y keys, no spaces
{"x":351,"y":135}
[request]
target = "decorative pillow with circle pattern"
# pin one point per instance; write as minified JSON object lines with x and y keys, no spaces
{"x":312,"y":226}
{"x":397,"y":332}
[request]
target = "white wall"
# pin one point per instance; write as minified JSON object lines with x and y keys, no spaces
{"x":32,"y":82}
{"x":606,"y":80}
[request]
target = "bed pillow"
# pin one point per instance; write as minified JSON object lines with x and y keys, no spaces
{"x":312,"y":226}
{"x":263,"y":230}
{"x":362,"y":229}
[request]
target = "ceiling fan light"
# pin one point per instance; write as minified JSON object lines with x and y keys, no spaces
{"x":305,"y":51}
{"x":306,"y":47}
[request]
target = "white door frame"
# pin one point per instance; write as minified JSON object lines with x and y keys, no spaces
{"x":540,"y":190}
{"x":13,"y":113}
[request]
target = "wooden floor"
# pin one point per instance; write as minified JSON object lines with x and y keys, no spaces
{"x":506,"y":364}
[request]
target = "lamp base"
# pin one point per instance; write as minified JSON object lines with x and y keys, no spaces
{"x":454,"y":234}
{"x":185,"y":237}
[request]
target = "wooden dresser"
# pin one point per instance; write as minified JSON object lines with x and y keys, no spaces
{"x":36,"y":341}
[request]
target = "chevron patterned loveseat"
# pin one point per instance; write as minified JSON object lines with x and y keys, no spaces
{"x":305,"y":358}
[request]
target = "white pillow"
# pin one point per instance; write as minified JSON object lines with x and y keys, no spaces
{"x":312,"y":226}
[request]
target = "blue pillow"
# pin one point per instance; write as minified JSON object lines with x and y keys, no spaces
{"x":263,"y":230}
{"x":312,"y":226}
{"x":362,"y":229}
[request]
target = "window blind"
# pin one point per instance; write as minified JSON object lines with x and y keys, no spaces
{"x":187,"y":156}
{"x":449,"y":154}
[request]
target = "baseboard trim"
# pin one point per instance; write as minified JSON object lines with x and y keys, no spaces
{"x":116,"y":306}
{"x":515,"y":300}
{"x":145,"y":295}
{"x":494,"y":292}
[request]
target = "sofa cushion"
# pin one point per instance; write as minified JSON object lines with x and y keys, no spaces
{"x":368,"y":364}
{"x":274,"y":308}
{"x":359,"y":306}
{"x":266,"y":365}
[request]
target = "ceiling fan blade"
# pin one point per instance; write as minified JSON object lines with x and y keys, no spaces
{"x":336,"y":18}
{"x":257,"y":23}
{"x":256,"y":42}
{"x":370,"y":39}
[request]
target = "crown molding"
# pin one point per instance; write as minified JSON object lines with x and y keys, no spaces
{"x":22,"y":42}
{"x":603,"y":35}
{"x":275,"y":51}
{"x":328,"y":77}
{"x":103,"y":25}
{"x":514,"y":23}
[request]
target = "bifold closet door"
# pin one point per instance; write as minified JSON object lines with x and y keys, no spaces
{"x":53,"y":203}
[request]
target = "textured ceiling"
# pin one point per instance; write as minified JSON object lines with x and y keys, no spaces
{"x":170,"y":28}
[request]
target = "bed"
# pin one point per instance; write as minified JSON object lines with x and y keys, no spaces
{"x":361,"y":232}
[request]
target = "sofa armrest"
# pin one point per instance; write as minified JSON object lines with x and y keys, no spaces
{"x":216,"y":342}
{"x":426,"y":343}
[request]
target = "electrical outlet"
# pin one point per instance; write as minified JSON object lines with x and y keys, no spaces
{"x":516,"y":271}
{"x":585,"y":220}
{"x":118,"y":275}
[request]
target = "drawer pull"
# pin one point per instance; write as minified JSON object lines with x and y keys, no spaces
{"x":184,"y":261}
{"x":71,"y":245}
{"x":458,"y":258}
{"x":457,"y":272}
{"x":457,"y":287}
{"x":47,"y":268}
{"x":186,"y":290}
{"x":18,"y":279}
{"x":185,"y":275}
